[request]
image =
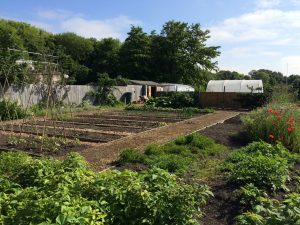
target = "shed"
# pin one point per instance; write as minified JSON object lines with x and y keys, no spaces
{"x":150,"y":88}
{"x":169,"y":87}
{"x":236,"y":86}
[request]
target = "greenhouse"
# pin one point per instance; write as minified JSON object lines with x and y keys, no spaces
{"x":237,"y":86}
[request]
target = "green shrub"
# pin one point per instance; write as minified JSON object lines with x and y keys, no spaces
{"x":263,"y":168}
{"x":11,"y":110}
{"x":131,"y":156}
{"x":175,"y":100}
{"x":46,"y":191}
{"x":154,"y":150}
{"x":275,"y":123}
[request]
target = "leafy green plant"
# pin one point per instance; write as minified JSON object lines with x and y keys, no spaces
{"x":11,"y":110}
{"x":273,"y":212}
{"x":175,"y":100}
{"x":263,"y":166}
{"x":47,"y":191}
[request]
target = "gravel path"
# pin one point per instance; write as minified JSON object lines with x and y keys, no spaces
{"x":100,"y":156}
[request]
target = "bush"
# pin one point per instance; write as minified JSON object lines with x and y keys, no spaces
{"x":11,"y":110}
{"x":274,"y":123}
{"x":175,"y":100}
{"x":132,"y":156}
{"x":263,"y":168}
{"x":46,"y":191}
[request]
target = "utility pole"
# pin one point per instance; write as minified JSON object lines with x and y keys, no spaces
{"x":286,"y":79}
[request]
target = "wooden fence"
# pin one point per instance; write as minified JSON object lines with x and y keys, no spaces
{"x":227,"y":100}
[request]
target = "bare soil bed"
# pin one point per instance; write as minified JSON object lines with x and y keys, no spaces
{"x":92,"y":126}
{"x":121,"y":122}
{"x":63,"y":149}
{"x":223,"y":207}
{"x":229,"y":133}
{"x":82,"y":135}
{"x":138,"y":118}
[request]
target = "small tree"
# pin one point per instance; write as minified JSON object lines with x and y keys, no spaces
{"x":105,"y":86}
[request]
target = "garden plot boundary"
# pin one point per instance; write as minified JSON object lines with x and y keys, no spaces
{"x":101,"y":156}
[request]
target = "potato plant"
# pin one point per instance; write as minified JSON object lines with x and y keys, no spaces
{"x":46,"y":191}
{"x":261,"y":164}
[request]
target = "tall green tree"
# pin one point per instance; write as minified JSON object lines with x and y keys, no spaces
{"x":105,"y":58}
{"x":230,"y":75}
{"x":135,"y":55}
{"x":180,"y":51}
{"x":79,"y":48}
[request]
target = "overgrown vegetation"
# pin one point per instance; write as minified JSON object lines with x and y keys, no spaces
{"x":176,"y":157}
{"x":176,"y":100}
{"x":275,"y":122}
{"x":46,"y":191}
{"x":11,"y":110}
{"x":105,"y":87}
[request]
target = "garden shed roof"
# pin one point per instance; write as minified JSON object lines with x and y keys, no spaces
{"x":144,"y":82}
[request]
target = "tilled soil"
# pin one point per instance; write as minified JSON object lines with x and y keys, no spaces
{"x":82,"y":135}
{"x":101,"y":156}
{"x":62,"y":150}
{"x":229,"y":133}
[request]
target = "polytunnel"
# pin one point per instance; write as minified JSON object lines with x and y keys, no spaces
{"x":237,"y":86}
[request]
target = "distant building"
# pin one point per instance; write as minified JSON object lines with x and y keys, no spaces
{"x":236,"y":86}
{"x":168,"y":87}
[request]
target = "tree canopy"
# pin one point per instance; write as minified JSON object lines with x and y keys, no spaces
{"x":178,"y":53}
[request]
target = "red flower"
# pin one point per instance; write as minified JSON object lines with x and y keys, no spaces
{"x":279,"y":139}
{"x":291,"y":128}
{"x":270,"y":110}
{"x":279,"y":117}
{"x":276,"y":113}
{"x":271,"y":136}
{"x":292,"y":120}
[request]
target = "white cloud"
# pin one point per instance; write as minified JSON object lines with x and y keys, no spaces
{"x":58,"y":14}
{"x":114,"y":27}
{"x":66,"y":21}
{"x":267,"y":4}
{"x":262,"y":25}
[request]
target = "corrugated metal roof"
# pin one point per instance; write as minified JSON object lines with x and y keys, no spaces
{"x":144,"y":82}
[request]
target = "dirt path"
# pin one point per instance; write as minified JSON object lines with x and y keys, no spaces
{"x":100,"y":156}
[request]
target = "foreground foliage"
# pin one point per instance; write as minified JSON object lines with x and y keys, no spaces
{"x":44,"y":191}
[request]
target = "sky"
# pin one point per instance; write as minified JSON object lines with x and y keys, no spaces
{"x":252,"y":34}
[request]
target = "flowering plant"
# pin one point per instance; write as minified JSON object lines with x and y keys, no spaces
{"x":275,"y":123}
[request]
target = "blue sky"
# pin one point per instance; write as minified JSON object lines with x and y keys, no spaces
{"x":253,"y":34}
